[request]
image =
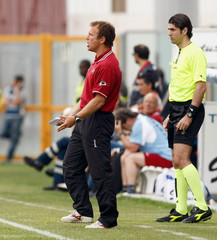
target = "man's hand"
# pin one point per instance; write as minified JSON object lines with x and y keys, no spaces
{"x":184,"y":123}
{"x":166,"y":122}
{"x":118,"y":126}
{"x":66,"y":122}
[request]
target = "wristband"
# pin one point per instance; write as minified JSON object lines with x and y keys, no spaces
{"x":192,"y":111}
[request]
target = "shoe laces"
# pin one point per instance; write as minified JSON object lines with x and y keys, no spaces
{"x":194,"y":210}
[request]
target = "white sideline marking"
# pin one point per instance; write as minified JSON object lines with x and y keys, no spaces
{"x":31,"y":229}
{"x":174,"y":233}
{"x":32,"y":204}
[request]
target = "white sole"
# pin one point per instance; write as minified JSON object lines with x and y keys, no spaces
{"x":83,"y":220}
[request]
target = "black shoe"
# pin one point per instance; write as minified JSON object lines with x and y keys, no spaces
{"x":52,"y":188}
{"x":33,"y":163}
{"x":174,"y":216}
{"x":198,"y":215}
{"x":50,"y":172}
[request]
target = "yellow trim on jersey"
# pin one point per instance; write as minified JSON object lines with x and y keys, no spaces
{"x":188,"y":67}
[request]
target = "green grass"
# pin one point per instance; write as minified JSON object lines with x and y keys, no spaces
{"x":136,"y":216}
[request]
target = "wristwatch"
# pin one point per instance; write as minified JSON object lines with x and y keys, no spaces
{"x":77,"y":119}
{"x":189,"y":114}
{"x":192,"y":110}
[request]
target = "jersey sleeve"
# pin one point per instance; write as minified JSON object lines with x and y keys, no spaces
{"x":198,"y":66}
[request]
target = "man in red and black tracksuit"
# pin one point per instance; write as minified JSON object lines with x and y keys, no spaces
{"x":94,"y":125}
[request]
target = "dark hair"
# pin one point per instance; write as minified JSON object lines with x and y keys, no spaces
{"x":19,"y":78}
{"x":105,"y":30}
{"x":149,"y":77}
{"x":142,"y":51}
{"x":140,"y":100}
{"x":181,"y":21}
{"x":86,"y":63}
{"x":123,"y":114}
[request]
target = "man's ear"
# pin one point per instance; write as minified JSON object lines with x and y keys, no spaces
{"x":185,"y":31}
{"x":102,"y":40}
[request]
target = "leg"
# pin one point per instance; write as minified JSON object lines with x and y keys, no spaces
{"x":74,"y":165}
{"x":180,"y":213}
{"x":58,"y":172}
{"x":182,"y":161}
{"x":57,"y":148}
{"x":132,"y":163}
{"x":6,"y":129}
{"x":15,"y":136}
{"x":181,"y":155}
{"x":61,"y":146}
{"x":96,"y":131}
{"x":123,"y":168}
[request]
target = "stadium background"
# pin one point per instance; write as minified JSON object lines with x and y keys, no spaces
{"x":45,"y":40}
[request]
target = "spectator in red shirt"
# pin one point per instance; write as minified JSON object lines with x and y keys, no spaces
{"x":141,"y":56}
{"x":150,"y":106}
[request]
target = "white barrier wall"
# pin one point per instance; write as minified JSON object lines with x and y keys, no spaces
{"x":207,"y":148}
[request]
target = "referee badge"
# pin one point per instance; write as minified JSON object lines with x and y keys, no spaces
{"x":183,"y":132}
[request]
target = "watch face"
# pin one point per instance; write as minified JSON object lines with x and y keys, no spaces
{"x":189,"y":114}
{"x":77,"y":120}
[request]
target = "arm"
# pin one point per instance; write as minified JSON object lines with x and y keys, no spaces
{"x":74,"y":109}
{"x":199,"y":92}
{"x":132,"y":147}
{"x":95,"y":104}
{"x":17,"y":99}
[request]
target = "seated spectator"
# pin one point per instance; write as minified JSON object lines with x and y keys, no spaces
{"x":59,"y":148}
{"x":146,"y":85}
{"x":147,"y":146}
{"x":139,"y":106}
{"x":150,"y":106}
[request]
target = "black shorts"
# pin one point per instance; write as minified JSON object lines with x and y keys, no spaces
{"x":177,"y":112}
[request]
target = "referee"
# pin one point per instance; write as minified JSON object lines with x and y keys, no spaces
{"x":186,"y":93}
{"x":89,"y":144}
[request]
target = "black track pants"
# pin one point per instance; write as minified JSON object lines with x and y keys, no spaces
{"x":90,"y":146}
